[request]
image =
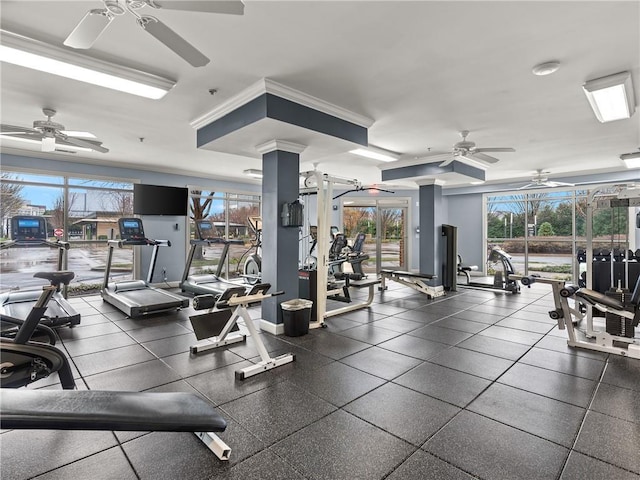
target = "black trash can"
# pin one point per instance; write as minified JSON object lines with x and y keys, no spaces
{"x":296,"y":314}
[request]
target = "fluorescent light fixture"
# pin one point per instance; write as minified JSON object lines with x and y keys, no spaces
{"x":479,"y":182}
{"x":30,"y":53}
{"x":631,"y":160}
{"x":252,"y":172}
{"x":376,"y":153}
{"x":611,"y":98}
{"x":40,"y":143}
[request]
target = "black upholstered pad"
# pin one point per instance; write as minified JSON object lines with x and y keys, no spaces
{"x":100,"y":410}
{"x":592,"y":296}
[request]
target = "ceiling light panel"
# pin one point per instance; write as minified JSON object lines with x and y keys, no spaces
{"x":37,"y":55}
{"x":612,"y":97}
{"x":375,"y":154}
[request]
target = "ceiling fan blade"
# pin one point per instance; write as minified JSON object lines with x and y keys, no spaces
{"x":482,"y":157}
{"x":231,"y":7}
{"x":12,"y":129}
{"x":89,"y":29}
{"x":78,"y":142}
{"x":496,"y":149}
{"x":35,"y":135}
{"x":174,"y":41}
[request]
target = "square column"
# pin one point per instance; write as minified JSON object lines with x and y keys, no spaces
{"x":280,"y":185}
{"x":432,"y":216}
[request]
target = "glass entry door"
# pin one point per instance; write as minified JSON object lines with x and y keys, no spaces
{"x":384,"y":223}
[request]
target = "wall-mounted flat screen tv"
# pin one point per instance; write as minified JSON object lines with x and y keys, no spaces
{"x":159,"y":200}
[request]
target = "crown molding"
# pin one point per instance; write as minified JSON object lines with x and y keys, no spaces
{"x":282,"y":145}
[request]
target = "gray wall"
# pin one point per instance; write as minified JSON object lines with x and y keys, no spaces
{"x":159,"y":227}
{"x":465,"y":212}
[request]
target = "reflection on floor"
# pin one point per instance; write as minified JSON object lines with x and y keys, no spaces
{"x":474,"y":384}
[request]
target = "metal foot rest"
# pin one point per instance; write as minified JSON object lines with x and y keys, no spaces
{"x":401,"y":273}
{"x":105,"y":410}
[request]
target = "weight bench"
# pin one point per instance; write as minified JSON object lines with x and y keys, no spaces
{"x":115,"y":411}
{"x":412,"y":280}
{"x":466,"y":269}
{"x":364,"y":283}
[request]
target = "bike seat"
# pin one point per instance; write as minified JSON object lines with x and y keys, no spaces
{"x":56,"y":278}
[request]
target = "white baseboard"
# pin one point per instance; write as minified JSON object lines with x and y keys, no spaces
{"x":272,"y":328}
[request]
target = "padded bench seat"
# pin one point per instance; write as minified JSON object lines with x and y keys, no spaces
{"x":364,"y":283}
{"x":107,"y":410}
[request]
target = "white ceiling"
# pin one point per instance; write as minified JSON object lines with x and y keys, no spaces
{"x":421,"y":70}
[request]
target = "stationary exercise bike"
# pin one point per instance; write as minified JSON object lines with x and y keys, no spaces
{"x":23,"y":360}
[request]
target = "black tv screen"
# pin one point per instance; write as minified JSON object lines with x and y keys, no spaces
{"x":159,"y":200}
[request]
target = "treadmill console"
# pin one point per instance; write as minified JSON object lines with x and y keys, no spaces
{"x":205,"y":230}
{"x":27,"y":229}
{"x":131,"y":231}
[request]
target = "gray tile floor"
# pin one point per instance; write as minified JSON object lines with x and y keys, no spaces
{"x":472,"y":385}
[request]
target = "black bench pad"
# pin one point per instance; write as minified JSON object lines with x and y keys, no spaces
{"x":401,"y":273}
{"x":107,"y":410}
{"x":364,"y":283}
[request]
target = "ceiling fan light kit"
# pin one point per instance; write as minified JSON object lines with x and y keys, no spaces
{"x":37,"y":55}
{"x":546,"y":68}
{"x":611,"y":97}
{"x":50,"y":134}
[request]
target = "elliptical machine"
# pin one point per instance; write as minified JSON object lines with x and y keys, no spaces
{"x":24,"y":361}
{"x":252,"y":267}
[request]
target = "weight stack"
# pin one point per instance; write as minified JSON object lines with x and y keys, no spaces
{"x":615,"y":324}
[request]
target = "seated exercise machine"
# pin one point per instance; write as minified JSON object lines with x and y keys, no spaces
{"x":210,"y":283}
{"x":622,"y":313}
{"x":137,"y":297}
{"x":26,"y":232}
{"x":25,"y":361}
{"x":502,"y":279}
{"x":219,"y":327}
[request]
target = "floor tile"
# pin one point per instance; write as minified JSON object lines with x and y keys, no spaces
{"x":474,"y":363}
{"x":439,"y":334}
{"x":424,"y":466}
{"x":526,"y":325}
{"x":381,"y":363}
{"x":342,"y":446}
{"x":188,"y":365}
{"x":611,"y":440}
{"x":461,"y":324}
{"x":495,"y":347}
{"x":541,"y":416}
{"x":511,"y":335}
{"x":134,"y":378}
{"x":559,"y":344}
{"x":68,"y":445}
{"x":94,"y":467}
{"x":263,"y":465}
{"x":221,"y":386}
{"x":486,"y":318}
{"x":581,"y":467}
{"x":443,"y":383}
{"x":88,"y":331}
{"x":277,"y":411}
{"x":617,"y":402}
{"x":398,"y":324}
{"x":170,"y":345}
{"x":333,"y":346}
{"x":111,"y":359}
{"x":413,"y":346}
{"x":336,"y":383}
{"x":492,"y":450}
{"x":408,"y":407}
{"x":420,"y":316}
{"x":97,"y":344}
{"x":623,"y":372}
{"x":370,"y":334}
{"x":565,"y":363}
{"x":566,"y":388}
{"x":148,"y":334}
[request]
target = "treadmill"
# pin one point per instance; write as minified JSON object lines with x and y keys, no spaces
{"x":28,"y":232}
{"x":137,"y":297}
{"x":210,"y":283}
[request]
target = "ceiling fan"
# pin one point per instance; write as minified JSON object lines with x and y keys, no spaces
{"x":97,"y":20}
{"x":540,"y":180}
{"x":467,"y":149}
{"x":52,"y":134}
